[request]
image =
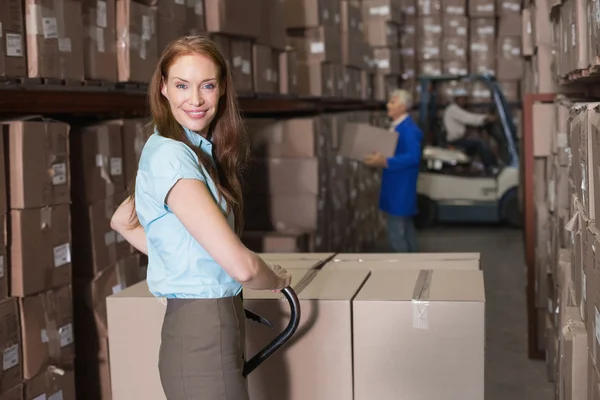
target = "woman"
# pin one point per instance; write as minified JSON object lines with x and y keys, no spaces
{"x":186,"y":205}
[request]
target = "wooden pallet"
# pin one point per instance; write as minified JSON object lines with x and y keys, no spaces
{"x":585,"y":75}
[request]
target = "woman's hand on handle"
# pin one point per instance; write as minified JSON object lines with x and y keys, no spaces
{"x":284,"y":277}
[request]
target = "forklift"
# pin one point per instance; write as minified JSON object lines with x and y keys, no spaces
{"x":447,"y":188}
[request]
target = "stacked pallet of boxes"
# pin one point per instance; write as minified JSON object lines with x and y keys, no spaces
{"x":104,"y":160}
{"x":408,"y":302}
{"x":37,"y":329}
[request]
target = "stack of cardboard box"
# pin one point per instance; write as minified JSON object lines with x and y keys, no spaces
{"x":567,"y":182}
{"x":300,"y":185}
{"x":104,"y":158}
{"x":371,"y":326}
{"x":38,"y":335}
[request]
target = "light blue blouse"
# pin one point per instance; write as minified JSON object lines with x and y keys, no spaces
{"x":178,"y":266}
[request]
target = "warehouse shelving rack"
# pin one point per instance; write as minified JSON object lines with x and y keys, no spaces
{"x":16,"y":101}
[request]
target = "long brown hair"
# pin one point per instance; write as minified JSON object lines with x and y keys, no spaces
{"x":226,"y":129}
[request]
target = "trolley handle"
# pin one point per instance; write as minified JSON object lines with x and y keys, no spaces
{"x":282,"y":338}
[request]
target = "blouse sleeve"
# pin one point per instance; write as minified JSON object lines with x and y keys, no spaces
{"x":173,"y":162}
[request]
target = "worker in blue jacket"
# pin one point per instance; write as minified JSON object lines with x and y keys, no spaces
{"x":398,"y":198}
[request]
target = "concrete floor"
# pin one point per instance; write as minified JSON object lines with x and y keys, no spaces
{"x":509,"y":373}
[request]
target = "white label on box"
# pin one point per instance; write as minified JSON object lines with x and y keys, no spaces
{"x":64,"y":45}
{"x":66,"y":335}
{"x":1,"y":266}
{"x":325,"y":14}
{"x":460,"y":52}
{"x":573,"y":37}
{"x":146,"y":27}
{"x":246,"y":67}
{"x":100,"y":40}
{"x":101,"y":12}
{"x":462,"y":31}
{"x":49,"y":28}
{"x":561,"y":140}
{"x":383,"y":64}
{"x":597,"y":324}
{"x":14,"y":45}
{"x":10,"y":357}
{"x":237,"y":61}
{"x":515,"y":51}
{"x":383,"y":10}
{"x":117,"y":288}
{"x":44,"y":336}
{"x":116,"y":166}
{"x":317,"y":47}
{"x":143,"y":50}
{"x":62,"y":255}
{"x":180,"y":2}
{"x":199,"y":7}
{"x":110,"y":238}
{"x":485,"y":30}
{"x":59,"y":174}
{"x":485,"y":7}
{"x":337,"y":18}
{"x":56,"y":396}
{"x":0,"y":29}
{"x":41,"y":397}
{"x":550,"y":308}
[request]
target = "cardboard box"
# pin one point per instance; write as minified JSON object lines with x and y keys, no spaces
{"x":288,"y":81}
{"x":47,"y":331}
{"x":510,"y":24}
{"x":380,"y":34}
{"x":39,"y":166}
{"x":315,"y":79}
{"x":3,"y":177}
{"x":242,"y":68}
{"x":483,"y":57}
{"x":385,"y":10}
{"x":134,"y":133}
{"x":51,"y":30}
{"x":434,"y":316}
{"x":13,"y":62}
{"x":574,"y":357}
{"x":510,"y":63}
{"x":316,"y":44}
{"x":51,"y":385}
{"x":431,"y":68}
{"x":15,"y":393}
{"x":455,"y":26}
{"x":455,"y":67}
{"x":195,"y":22}
{"x":137,"y":42}
{"x":482,"y":8}
{"x":428,"y":8}
{"x":40,"y":249}
{"x":308,"y":13}
{"x":511,"y":90}
{"x":100,"y":46}
{"x":4,"y":265}
{"x":324,"y":338}
{"x":430,"y":38}
{"x":266,"y":69}
{"x":388,"y":61}
{"x":267,"y":242}
{"x":360,"y":140}
{"x":380,"y":265}
{"x":542,"y":126}
{"x":97,"y":162}
{"x":453,"y":8}
{"x":172,"y":17}
{"x":96,"y":246}
{"x":233,"y":17}
{"x":10,"y":343}
{"x":455,"y":49}
{"x":285,"y":176}
{"x":134,"y":342}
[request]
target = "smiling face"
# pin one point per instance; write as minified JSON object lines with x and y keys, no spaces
{"x":193,"y":91}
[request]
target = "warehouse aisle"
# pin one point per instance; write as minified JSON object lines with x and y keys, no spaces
{"x":509,"y":373}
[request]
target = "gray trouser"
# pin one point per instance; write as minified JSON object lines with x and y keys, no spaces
{"x":202,"y":349}
{"x":402,"y":235}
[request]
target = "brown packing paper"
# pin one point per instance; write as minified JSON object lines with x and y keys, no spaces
{"x":47,"y":329}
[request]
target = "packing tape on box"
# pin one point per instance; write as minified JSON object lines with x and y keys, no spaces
{"x":420,"y":299}
{"x":572,"y":325}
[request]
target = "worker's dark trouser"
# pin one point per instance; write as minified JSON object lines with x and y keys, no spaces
{"x":402,"y":234}
{"x":202,"y":349}
{"x":476,"y":146}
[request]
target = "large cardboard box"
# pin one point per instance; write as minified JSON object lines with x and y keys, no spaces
{"x":361,"y":140}
{"x":135,"y":319}
{"x":241,"y":63}
{"x":574,"y":356}
{"x":402,"y":265}
{"x":411,"y":327}
{"x":137,"y":41}
{"x":234,"y":17}
{"x":97,"y":159}
{"x":323,"y":339}
{"x":47,"y":331}
{"x":39,"y":166}
{"x":100,"y":46}
{"x":10,"y":345}
{"x":13,"y":61}
{"x":40,"y":249}
{"x":51,"y":385}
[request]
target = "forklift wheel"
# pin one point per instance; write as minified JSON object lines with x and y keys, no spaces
{"x":509,"y":209}
{"x":427,"y":212}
